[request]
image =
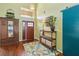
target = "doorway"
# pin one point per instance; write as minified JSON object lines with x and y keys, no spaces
{"x":28,"y":31}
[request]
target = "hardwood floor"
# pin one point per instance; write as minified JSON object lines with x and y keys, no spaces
{"x":12,"y":50}
{"x":17,"y":50}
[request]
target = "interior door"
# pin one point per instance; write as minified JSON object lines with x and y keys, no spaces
{"x":29,"y":31}
{"x":0,"y":32}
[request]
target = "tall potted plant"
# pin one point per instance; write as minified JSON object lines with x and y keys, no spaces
{"x":51,"y":21}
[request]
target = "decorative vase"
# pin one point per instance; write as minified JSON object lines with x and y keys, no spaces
{"x":10,"y":13}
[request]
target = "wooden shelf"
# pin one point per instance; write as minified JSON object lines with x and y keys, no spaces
{"x":47,"y":31}
{"x":48,"y":38}
{"x":48,"y":41}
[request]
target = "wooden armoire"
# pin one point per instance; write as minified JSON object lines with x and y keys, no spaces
{"x":9,"y":31}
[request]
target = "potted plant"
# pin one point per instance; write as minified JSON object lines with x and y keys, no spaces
{"x":51,"y":21}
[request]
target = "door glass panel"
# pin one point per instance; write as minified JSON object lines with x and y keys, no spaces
{"x":30,"y":24}
{"x":10,"y":28}
{"x":23,"y":24}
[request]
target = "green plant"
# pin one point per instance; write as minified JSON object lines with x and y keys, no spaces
{"x":51,"y":21}
{"x":10,"y":13}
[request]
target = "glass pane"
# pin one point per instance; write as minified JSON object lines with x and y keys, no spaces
{"x":10,"y":28}
{"x":23,"y":24}
{"x":30,"y":24}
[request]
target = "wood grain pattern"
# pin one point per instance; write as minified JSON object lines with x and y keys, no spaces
{"x":4,"y":29}
{"x":4,"y":39}
{"x":29,"y":31}
{"x":12,"y":50}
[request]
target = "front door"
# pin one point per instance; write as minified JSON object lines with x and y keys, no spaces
{"x":28,"y":31}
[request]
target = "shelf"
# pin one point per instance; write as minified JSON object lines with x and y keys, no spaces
{"x":47,"y":38}
{"x":47,"y":31}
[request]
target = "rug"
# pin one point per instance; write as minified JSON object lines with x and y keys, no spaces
{"x":37,"y":49}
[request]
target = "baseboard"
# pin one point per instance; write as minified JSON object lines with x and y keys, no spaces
{"x":24,"y":41}
{"x":20,"y":40}
{"x":36,"y":38}
{"x":60,"y":50}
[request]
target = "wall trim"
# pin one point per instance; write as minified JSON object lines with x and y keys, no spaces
{"x":60,"y":50}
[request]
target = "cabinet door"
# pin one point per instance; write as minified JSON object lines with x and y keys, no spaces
{"x":16,"y":29}
{"x":4,"y":29}
{"x":10,"y":29}
{"x":0,"y":32}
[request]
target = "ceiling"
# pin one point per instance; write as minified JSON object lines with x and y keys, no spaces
{"x":26,"y":5}
{"x":14,"y":6}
